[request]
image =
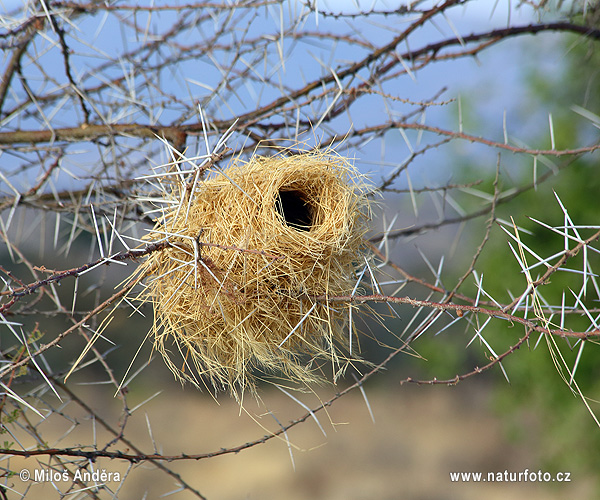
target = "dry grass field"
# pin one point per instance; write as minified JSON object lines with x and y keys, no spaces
{"x":419,"y":436}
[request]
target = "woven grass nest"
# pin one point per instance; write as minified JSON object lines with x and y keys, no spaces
{"x":240,"y":290}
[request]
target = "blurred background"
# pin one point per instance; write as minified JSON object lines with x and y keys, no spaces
{"x":470,"y":120}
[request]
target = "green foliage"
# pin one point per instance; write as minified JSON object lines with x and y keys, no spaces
{"x":9,"y":418}
{"x":560,"y":420}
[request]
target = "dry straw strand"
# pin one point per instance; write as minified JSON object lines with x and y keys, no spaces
{"x":250,"y":252}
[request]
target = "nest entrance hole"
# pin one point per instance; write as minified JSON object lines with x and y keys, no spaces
{"x":292,"y":205}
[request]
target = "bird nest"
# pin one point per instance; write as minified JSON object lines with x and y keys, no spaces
{"x":253,"y":255}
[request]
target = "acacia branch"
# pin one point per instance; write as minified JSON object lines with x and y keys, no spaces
{"x":66,"y":59}
{"x":476,"y":371}
{"x":496,"y":144}
{"x":449,"y":306}
{"x":502,"y":199}
{"x":87,"y":132}
{"x":157,"y":457}
{"x":177,"y":134}
{"x":44,"y":347}
{"x":15,"y":61}
{"x":76,"y":271}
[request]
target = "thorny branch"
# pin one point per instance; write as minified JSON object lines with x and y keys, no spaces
{"x":57,"y":276}
{"x":140,"y":457}
{"x":175,"y":133}
{"x":463,"y":308}
{"x":15,"y":60}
